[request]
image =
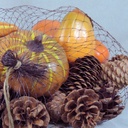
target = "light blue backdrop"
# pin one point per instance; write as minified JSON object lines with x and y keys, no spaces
{"x":112,"y":15}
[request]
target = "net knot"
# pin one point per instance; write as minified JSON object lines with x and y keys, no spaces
{"x":18,"y":65}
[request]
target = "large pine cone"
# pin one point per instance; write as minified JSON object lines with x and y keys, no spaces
{"x":81,"y":108}
{"x":111,"y":101}
{"x":27,"y":112}
{"x":85,"y":73}
{"x":54,"y":106}
{"x":116,"y":71}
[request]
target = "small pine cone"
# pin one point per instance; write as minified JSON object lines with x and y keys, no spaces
{"x":119,"y":57}
{"x":111,"y":107}
{"x":85,"y":73}
{"x":54,"y":106}
{"x":81,"y":108}
{"x":27,"y":112}
{"x":116,"y":72}
{"x":111,"y":102}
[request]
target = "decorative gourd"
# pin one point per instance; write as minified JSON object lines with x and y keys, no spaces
{"x":48,"y":27}
{"x":101,"y":52}
{"x":76,"y":35}
{"x":7,"y":28}
{"x":44,"y":66}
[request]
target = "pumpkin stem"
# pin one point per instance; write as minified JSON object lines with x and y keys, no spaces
{"x":27,"y":69}
{"x":36,"y":44}
{"x":9,"y":59}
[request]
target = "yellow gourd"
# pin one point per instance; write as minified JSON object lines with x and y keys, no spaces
{"x":76,"y":35}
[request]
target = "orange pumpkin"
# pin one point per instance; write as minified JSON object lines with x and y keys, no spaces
{"x":7,"y":28}
{"x":44,"y":65}
{"x":76,"y":35}
{"x":101,"y":52}
{"x":46,"y":26}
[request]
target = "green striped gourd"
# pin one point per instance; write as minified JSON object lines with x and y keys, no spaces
{"x":44,"y":66}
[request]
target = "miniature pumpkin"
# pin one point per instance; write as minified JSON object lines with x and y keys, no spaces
{"x":7,"y":28}
{"x":48,"y":27}
{"x":76,"y":35}
{"x":44,"y":66}
{"x":101,"y":52}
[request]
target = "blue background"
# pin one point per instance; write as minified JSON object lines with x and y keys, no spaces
{"x":112,"y":15}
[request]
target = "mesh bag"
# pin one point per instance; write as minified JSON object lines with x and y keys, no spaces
{"x":50,"y":73}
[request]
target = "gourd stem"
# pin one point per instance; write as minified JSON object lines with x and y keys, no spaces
{"x":36,"y":44}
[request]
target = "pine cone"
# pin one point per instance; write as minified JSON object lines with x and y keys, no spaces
{"x":111,"y":102}
{"x":119,"y":57}
{"x":85,"y":73}
{"x":27,"y":112}
{"x":81,"y":108}
{"x":54,"y":106}
{"x":116,"y":72}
